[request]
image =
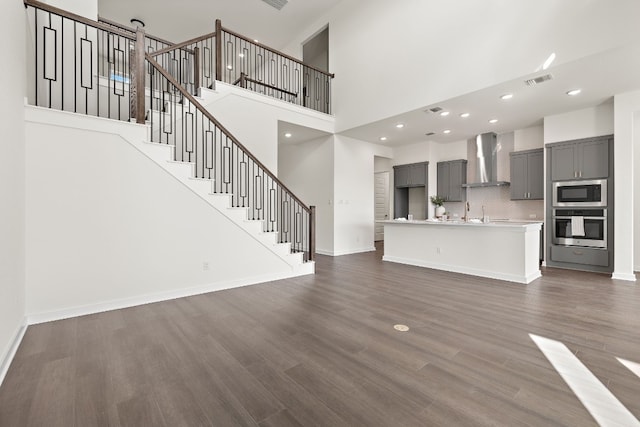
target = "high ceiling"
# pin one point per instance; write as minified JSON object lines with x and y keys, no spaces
{"x":179,"y":21}
{"x":599,"y":76}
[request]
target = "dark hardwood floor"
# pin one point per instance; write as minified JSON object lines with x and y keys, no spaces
{"x":322,"y":350}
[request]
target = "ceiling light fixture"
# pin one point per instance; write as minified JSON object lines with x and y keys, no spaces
{"x":383,"y":138}
{"x":506,"y":96}
{"x":287,"y":135}
{"x":446,"y":131}
{"x":574,"y":92}
{"x":137,"y":22}
{"x":241,"y":55}
{"x":492,"y":121}
{"x":549,"y":60}
{"x":444,"y":113}
{"x":229,"y":67}
{"x":464,"y":115}
{"x":400,"y":125}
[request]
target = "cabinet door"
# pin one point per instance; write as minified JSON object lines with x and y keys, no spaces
{"x":535,"y":175}
{"x":443,"y":180}
{"x":594,"y":159}
{"x":518,"y":186}
{"x":401,"y":176}
{"x":418,"y":175}
{"x":563,"y":162}
{"x":457,"y":170}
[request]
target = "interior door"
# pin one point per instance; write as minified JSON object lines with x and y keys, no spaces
{"x":381,"y":199}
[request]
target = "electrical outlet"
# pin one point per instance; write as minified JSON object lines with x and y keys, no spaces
{"x":205,"y":266}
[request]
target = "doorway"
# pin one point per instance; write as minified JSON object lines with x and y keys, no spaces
{"x":315,"y":51}
{"x":381,"y":201}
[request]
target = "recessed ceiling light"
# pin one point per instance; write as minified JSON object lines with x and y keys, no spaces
{"x":464,"y":115}
{"x":256,"y":40}
{"x":400,"y":125}
{"x":506,"y":96}
{"x":444,"y":113}
{"x":229,"y":67}
{"x":241,"y":55}
{"x":492,"y":121}
{"x":548,"y":62}
{"x":383,"y":138}
{"x":574,"y":92}
{"x":287,"y":135}
{"x":446,"y":131}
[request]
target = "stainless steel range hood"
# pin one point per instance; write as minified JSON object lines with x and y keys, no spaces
{"x":486,"y":162}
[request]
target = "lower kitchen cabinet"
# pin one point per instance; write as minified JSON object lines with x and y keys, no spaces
{"x":527,"y":175}
{"x":580,"y":255}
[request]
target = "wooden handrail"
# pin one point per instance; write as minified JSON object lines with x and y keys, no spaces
{"x":183,"y":44}
{"x":244,"y":77}
{"x":228,"y":134}
{"x":233,"y":33}
{"x":79,"y":18}
{"x":133,"y":30}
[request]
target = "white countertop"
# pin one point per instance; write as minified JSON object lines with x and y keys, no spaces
{"x":472,"y":223}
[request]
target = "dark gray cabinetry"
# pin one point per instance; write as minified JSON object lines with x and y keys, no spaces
{"x":580,"y":160}
{"x":527,"y":175}
{"x":405,"y":177}
{"x":451,"y":176}
{"x":413,"y":175}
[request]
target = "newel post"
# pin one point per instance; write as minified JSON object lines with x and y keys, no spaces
{"x":312,"y":233}
{"x":218,"y":50}
{"x":137,"y":75}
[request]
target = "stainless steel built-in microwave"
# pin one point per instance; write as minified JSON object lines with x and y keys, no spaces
{"x":588,"y":193}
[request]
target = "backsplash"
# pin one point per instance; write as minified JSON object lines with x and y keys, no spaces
{"x":498,"y":205}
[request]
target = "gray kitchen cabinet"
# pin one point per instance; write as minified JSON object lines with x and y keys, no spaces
{"x":405,"y":177}
{"x":527,"y":175}
{"x":412,"y":175}
{"x":451,"y":176}
{"x":587,"y":159}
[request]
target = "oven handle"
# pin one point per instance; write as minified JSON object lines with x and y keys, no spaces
{"x":586,"y":217}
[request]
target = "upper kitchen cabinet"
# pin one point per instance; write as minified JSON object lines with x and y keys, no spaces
{"x":412,"y":175}
{"x":586,"y":159}
{"x":451,"y":176}
{"x":527,"y":175}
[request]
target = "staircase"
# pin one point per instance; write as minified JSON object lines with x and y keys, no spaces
{"x":118,"y":73}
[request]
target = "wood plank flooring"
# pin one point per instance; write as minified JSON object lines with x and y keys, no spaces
{"x":321,"y":350}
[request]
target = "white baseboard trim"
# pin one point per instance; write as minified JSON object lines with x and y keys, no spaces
{"x":630,"y":277}
{"x":471,"y":271}
{"x":7,"y":358}
{"x":347,"y":252}
{"x":50,"y":316}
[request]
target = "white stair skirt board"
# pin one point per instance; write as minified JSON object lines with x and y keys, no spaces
{"x":596,"y":398}
{"x":6,"y":359}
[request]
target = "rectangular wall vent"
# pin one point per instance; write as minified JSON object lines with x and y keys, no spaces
{"x":538,"y":80}
{"x":433,"y":110}
{"x":278,"y":4}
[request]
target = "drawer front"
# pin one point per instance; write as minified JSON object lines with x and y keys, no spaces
{"x":577,"y":255}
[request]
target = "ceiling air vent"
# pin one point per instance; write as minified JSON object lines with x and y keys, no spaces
{"x":278,"y":4}
{"x":538,"y":80}
{"x":433,"y":110}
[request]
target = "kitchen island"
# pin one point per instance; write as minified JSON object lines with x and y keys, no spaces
{"x":498,"y":250}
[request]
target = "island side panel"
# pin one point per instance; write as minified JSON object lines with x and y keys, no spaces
{"x":506,"y":253}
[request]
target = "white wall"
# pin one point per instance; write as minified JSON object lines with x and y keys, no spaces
{"x":12,"y":179}
{"x":253,"y":119}
{"x":626,"y":144}
{"x":107,"y":227}
{"x":86,"y":8}
{"x":585,"y":123}
{"x":528,"y":138}
{"x":440,"y":44}
{"x":354,"y":216}
{"x":307,"y":170}
{"x":636,"y":188}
